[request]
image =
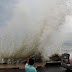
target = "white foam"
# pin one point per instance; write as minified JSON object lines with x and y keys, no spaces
{"x":32,"y":27}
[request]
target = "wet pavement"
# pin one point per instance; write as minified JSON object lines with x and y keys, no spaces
{"x":16,"y":66}
{"x":39,"y":69}
{"x":47,"y":68}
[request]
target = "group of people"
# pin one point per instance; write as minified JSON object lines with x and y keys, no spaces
{"x":29,"y":65}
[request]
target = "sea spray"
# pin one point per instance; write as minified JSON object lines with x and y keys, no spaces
{"x":31,"y":27}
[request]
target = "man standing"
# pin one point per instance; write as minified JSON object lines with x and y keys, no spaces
{"x":29,"y":66}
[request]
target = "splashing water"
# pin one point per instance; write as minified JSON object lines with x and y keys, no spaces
{"x":31,"y":26}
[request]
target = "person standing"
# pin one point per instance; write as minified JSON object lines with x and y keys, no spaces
{"x":29,"y":66}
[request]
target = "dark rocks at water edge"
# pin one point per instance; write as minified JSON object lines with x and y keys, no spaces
{"x":55,"y":57}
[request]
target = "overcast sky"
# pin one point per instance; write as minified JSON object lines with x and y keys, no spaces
{"x":6,"y":11}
